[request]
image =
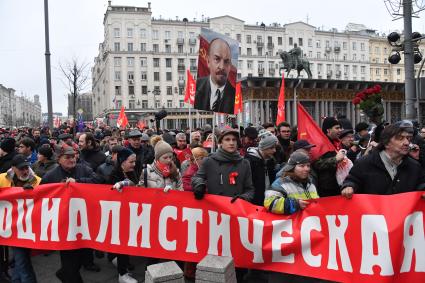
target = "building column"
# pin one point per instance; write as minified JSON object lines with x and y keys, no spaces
{"x":287,"y":111}
{"x":389,"y":111}
{"x":267,"y":118}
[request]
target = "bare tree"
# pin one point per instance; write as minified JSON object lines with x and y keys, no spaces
{"x":77,"y":79}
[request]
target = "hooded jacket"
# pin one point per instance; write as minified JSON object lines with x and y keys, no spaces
{"x":214,"y":175}
{"x":264,"y":172}
{"x":155,"y":179}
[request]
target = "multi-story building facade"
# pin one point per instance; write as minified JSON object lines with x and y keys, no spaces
{"x":84,"y":103}
{"x":142,"y":61}
{"x":7,"y":106}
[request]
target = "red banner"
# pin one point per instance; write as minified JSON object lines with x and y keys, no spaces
{"x":281,"y":103}
{"x":369,"y":238}
{"x":190,"y":89}
{"x":238,"y":99}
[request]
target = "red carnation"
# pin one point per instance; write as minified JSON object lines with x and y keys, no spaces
{"x":361,"y":95}
{"x":369,"y":91}
{"x":356,"y":100}
{"x":377,"y":88}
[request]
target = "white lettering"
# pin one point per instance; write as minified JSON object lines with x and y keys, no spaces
{"x":336,"y":236}
{"x":280,"y":226}
{"x":192,"y":216}
{"x":166,"y":213}
{"x":50,"y":217}
{"x":308,"y":224}
{"x":77,"y":206}
{"x":375,"y":225}
{"x":256,"y":246}
{"x":414,"y":243}
{"x":138,"y":221}
{"x":22,"y":234}
{"x":217,"y":231}
{"x":109,"y":208}
{"x":5,"y":219}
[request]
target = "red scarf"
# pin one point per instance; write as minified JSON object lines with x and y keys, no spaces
{"x":164,"y":168}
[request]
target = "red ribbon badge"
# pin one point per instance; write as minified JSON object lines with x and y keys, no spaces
{"x":232,"y":178}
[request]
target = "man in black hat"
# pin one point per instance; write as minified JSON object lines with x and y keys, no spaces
{"x":20,"y":175}
{"x":135,"y":140}
{"x":347,"y":142}
{"x":65,"y":138}
{"x":326,"y":165}
{"x":285,"y":144}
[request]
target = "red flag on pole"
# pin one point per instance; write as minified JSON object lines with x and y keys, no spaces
{"x":122,"y":121}
{"x":281,"y":103}
{"x":238,"y":99}
{"x":310,"y":131}
{"x":190,"y":89}
{"x":141,"y":125}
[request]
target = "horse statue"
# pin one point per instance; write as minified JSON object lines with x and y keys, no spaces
{"x":291,"y":61}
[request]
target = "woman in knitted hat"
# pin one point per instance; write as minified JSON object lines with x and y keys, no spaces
{"x":198,"y":154}
{"x":162,"y":173}
{"x":124,"y":175}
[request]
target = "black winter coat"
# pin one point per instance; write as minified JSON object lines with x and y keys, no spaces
{"x":6,"y":162}
{"x":325,"y":168}
{"x":260,"y":168}
{"x":95,"y":157}
{"x":104,"y":171}
{"x":369,"y":176}
{"x":81,"y":173}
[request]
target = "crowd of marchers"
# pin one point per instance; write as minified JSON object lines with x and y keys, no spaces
{"x":265,"y":165}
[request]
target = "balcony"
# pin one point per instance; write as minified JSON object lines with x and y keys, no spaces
{"x":337,"y":49}
{"x":193,"y":69}
{"x":272,"y":71}
{"x":270,"y":45}
{"x":328,"y":49}
{"x":180,"y":41}
{"x":181,"y":83}
{"x":260,"y":44}
{"x":192,"y":41}
{"x":338,"y":74}
{"x":260,"y":71}
{"x":181,"y":67}
{"x":329,"y":74}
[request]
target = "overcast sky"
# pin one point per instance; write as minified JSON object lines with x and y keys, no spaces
{"x":76,"y":30}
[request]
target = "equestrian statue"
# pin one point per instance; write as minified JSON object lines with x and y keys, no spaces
{"x":292,"y":60}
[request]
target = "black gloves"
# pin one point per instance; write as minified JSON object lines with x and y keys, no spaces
{"x":199,"y":192}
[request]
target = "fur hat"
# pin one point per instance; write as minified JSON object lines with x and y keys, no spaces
{"x":123,"y":154}
{"x":162,"y":148}
{"x":328,"y":123}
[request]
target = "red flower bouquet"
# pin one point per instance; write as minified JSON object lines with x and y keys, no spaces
{"x":370,"y":102}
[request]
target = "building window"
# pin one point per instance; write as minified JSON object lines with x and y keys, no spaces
{"x":318,"y":55}
{"x":117,"y":61}
{"x":385,"y":71}
{"x":310,"y":42}
{"x":327,"y":44}
{"x":116,"y":32}
{"x":116,"y":46}
{"x":156,"y":62}
{"x":181,"y":103}
{"x":117,"y":90}
{"x":143,"y":33}
{"x":239,"y":37}
{"x":168,"y":48}
{"x":131,"y":104}
{"x":344,"y":45}
{"x":156,"y":76}
{"x":363,"y":57}
{"x":249,"y":51}
{"x":300,"y":42}
{"x":144,"y":76}
{"x":248,"y":38}
{"x":118,"y":103}
{"x":167,"y":34}
{"x":168,"y":76}
{"x":279,"y":40}
{"x":249,"y":64}
{"x":130,"y":47}
{"x":362,"y":46}
{"x":129,"y":32}
{"x":363,"y":69}
{"x":155,"y":48}
{"x":168,"y":62}
{"x":117,"y":75}
{"x":192,"y":63}
{"x":354,"y":57}
{"x":259,"y":38}
{"x":155,"y":34}
{"x":395,"y":111}
{"x":345,"y":70}
{"x":340,"y":108}
{"x":180,"y":49}
{"x":130,"y":61}
{"x":180,"y":35}
{"x":355,"y":70}
{"x":260,"y":51}
{"x":144,"y":104}
{"x":169,"y":90}
{"x":143,"y":47}
{"x":131,"y":89}
{"x":318,"y":44}
{"x":143,"y":62}
{"x":144,"y":89}
{"x":354,"y":45}
{"x":291,"y":41}
{"x":157,"y":104}
{"x":130,"y":75}
{"x":377,"y":71}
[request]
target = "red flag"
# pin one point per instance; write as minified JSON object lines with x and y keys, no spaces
{"x":238,"y":99}
{"x":281,"y":103}
{"x":190,"y":89}
{"x":122,"y":119}
{"x":310,"y":131}
{"x":141,"y":125}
